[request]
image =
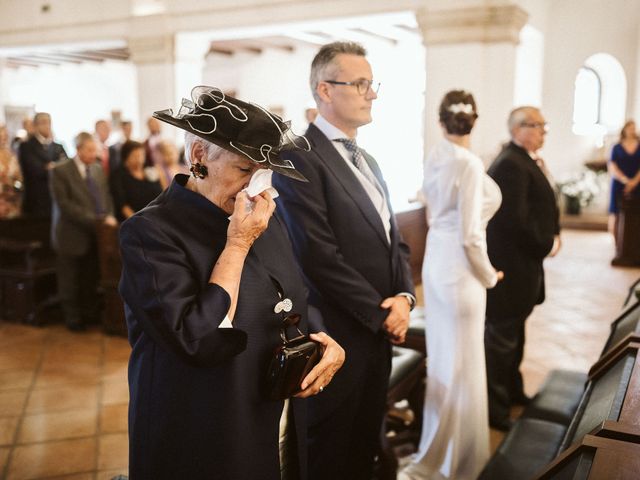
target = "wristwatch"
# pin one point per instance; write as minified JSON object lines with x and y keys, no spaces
{"x":410,"y":298}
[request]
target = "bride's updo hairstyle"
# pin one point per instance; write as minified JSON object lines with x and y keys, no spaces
{"x":458,"y":112}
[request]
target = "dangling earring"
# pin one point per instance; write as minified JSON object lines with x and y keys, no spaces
{"x":199,"y":170}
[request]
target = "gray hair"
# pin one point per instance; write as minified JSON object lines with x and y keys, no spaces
{"x":324,"y":67}
{"x":519,"y":115}
{"x":82,"y":138}
{"x":212,"y":150}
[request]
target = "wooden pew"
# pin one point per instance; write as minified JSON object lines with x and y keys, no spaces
{"x":113,"y":319}
{"x":27,"y":270}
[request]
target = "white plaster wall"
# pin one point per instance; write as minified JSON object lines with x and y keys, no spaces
{"x":576,"y":30}
{"x":75,"y":96}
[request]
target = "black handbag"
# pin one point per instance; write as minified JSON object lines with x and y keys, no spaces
{"x":292,"y":361}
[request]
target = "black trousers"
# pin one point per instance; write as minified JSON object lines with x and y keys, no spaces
{"x":78,"y":278}
{"x":344,"y":444}
{"x":504,"y":347}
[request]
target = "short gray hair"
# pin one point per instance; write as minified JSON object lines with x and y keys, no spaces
{"x":212,"y":150}
{"x":519,"y":115}
{"x":82,"y":138}
{"x":323,"y":65}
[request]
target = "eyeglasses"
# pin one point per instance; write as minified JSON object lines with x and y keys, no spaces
{"x":540,"y":125}
{"x":362,"y":85}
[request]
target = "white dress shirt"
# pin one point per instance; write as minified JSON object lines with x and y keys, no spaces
{"x":375,"y":192}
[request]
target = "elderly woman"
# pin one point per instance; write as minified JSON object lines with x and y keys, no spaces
{"x":208,"y":278}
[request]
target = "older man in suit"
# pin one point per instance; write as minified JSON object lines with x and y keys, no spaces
{"x":80,"y":199}
{"x":522,"y":233}
{"x":355,"y":264}
{"x":37,"y":155}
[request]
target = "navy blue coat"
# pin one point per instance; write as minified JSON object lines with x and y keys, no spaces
{"x":199,"y":407}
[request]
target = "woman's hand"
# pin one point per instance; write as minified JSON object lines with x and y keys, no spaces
{"x":321,"y":375}
{"x":248,"y":224}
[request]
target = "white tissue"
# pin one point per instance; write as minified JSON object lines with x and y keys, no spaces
{"x":261,"y":181}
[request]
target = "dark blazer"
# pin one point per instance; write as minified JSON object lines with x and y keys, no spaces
{"x":521,"y":233}
{"x":34,"y":158}
{"x":74,"y":216}
{"x":349,"y":265}
{"x":199,"y":409}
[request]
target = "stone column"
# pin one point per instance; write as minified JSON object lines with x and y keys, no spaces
{"x":474,"y":49}
{"x":154,"y":61}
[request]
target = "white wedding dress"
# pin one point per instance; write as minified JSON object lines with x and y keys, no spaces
{"x":460,"y":200}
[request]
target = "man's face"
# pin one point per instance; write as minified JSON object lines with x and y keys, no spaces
{"x":154,"y":126}
{"x":88,"y":152}
{"x":530,"y":132}
{"x":127,"y":128}
{"x":103,"y":130}
{"x":349,"y":107}
{"x":42,"y":125}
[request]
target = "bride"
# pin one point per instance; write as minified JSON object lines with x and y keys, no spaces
{"x":460,"y":200}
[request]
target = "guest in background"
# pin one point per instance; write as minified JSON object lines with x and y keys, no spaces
{"x":80,"y":199}
{"x":115,"y":157}
{"x":22,"y":135}
{"x":524,"y":230}
{"x":102,"y":134}
{"x":37,"y":156}
{"x":168,"y":162}
{"x":460,"y":199}
{"x":10,"y":178}
{"x":624,"y":169}
{"x":133,"y":186}
{"x":152,"y":141}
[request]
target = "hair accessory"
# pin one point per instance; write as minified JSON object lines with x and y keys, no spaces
{"x":198,"y":170}
{"x":461,"y":108}
{"x":239,"y":127}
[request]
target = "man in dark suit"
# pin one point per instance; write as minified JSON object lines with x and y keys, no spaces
{"x":37,"y":156}
{"x":522,"y":233}
{"x":80,"y":199}
{"x":355,"y":264}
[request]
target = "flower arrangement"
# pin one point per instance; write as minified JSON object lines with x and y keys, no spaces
{"x":579,"y":190}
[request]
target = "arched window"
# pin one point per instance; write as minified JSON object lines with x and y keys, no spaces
{"x":587,"y":97}
{"x":600,"y":96}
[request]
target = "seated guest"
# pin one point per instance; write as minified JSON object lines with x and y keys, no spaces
{"x":80,"y":199}
{"x":10,"y":178}
{"x":37,"y":156}
{"x":169,"y":162}
{"x":208,"y":279}
{"x":132,"y":185}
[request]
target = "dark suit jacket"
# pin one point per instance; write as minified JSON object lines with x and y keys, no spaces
{"x":349,"y":265}
{"x":34,"y":158}
{"x":74,"y":216}
{"x":521,"y":233}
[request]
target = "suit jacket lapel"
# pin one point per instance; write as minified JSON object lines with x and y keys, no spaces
{"x":352,"y":186}
{"x":78,"y":182}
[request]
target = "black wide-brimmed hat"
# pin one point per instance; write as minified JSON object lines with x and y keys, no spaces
{"x":237,"y":126}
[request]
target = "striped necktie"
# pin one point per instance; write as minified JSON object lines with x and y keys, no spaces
{"x":358,"y":160}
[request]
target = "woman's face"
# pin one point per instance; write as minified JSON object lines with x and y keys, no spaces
{"x":630,"y":130}
{"x":135,"y":160}
{"x":228,"y":175}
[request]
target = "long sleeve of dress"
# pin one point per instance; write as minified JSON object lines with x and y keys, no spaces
{"x":172,"y":307}
{"x":472,"y":229}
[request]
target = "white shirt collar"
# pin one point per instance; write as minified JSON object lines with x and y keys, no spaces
{"x":43,"y":140}
{"x":331,"y":131}
{"x":80,"y":165}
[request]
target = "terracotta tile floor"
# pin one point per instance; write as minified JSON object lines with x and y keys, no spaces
{"x":63,"y":395}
